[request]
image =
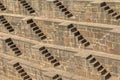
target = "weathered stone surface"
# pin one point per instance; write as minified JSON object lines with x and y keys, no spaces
{"x":100,"y":29}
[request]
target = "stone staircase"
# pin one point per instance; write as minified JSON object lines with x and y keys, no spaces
{"x":104,"y":38}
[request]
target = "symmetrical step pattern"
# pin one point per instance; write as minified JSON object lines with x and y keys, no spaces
{"x":92,"y":60}
{"x":57,"y":77}
{"x":13,"y":46}
{"x":36,"y":29}
{"x":78,"y":35}
{"x":27,"y":6}
{"x":62,"y":8}
{"x":43,"y":50}
{"x":2,"y":7}
{"x":21,"y":71}
{"x":109,"y":10}
{"x":6,"y":24}
{"x":48,"y":55}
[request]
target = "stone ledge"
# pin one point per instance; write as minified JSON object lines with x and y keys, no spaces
{"x":80,"y":51}
{"x":97,"y":25}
